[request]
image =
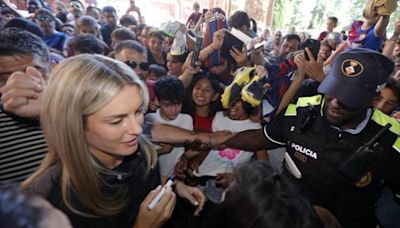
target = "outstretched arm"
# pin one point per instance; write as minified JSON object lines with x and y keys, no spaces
{"x":251,"y":140}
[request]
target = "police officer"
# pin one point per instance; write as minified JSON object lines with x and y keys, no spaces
{"x":326,"y":136}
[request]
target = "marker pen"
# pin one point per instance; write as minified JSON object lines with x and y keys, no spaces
{"x":158,"y":197}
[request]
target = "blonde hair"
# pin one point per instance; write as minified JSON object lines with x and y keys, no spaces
{"x":79,"y":87}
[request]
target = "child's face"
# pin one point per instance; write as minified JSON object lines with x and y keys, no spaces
{"x":203,"y":93}
{"x":153,"y":76}
{"x":174,"y":66}
{"x":169,"y":110}
{"x":237,"y":112}
{"x":144,"y":37}
{"x":219,"y":69}
{"x":155,"y":45}
{"x":86,"y":29}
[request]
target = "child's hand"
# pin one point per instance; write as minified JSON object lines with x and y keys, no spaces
{"x":180,"y":168}
{"x":224,"y":179}
{"x":218,"y":39}
{"x":261,"y":71}
{"x":240,"y":56}
{"x":208,"y":15}
{"x":187,"y":66}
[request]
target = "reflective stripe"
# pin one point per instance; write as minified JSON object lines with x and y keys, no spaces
{"x":383,"y":119}
{"x":271,"y":139}
{"x":291,"y":110}
{"x":396,"y":145}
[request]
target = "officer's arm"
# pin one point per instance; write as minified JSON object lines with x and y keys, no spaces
{"x":251,"y":140}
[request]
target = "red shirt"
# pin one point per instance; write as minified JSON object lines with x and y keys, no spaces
{"x":202,"y":123}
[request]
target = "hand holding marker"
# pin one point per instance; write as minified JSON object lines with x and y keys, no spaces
{"x":158,"y":197}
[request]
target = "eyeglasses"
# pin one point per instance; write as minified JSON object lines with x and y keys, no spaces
{"x":76,"y":6}
{"x":143,"y":65}
{"x":44,"y":19}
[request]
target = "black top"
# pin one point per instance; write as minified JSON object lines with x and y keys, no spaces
{"x":151,"y":59}
{"x":22,"y":147}
{"x":131,"y":178}
{"x":106,"y":34}
{"x":318,"y":150}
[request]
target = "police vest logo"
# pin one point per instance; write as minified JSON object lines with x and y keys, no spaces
{"x":352,"y":68}
{"x":304,"y":150}
{"x":365,"y":180}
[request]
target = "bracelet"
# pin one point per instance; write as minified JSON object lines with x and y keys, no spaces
{"x":210,"y":138}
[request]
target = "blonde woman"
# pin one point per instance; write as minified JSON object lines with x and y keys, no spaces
{"x":99,"y":170}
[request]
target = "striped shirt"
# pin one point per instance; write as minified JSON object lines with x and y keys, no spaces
{"x":22,"y":147}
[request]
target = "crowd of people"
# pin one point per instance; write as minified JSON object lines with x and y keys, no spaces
{"x":100,"y":114}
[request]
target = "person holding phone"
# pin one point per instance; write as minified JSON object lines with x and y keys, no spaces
{"x":99,"y":170}
{"x":134,"y":8}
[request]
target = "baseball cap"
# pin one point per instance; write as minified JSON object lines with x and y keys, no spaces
{"x":357,"y":76}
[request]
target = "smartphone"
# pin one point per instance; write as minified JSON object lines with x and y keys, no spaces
{"x":313,"y":45}
{"x":197,"y":49}
{"x":259,"y":45}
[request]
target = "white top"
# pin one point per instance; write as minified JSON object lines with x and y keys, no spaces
{"x":221,"y":161}
{"x":167,"y":161}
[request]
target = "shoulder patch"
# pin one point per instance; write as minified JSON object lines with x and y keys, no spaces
{"x":291,"y":110}
{"x":382,"y":119}
{"x":305,"y":101}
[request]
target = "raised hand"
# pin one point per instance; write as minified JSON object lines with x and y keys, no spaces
{"x":22,"y":93}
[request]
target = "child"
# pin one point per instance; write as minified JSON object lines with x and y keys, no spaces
{"x":219,"y":163}
{"x":203,"y":102}
{"x":154,"y":74}
{"x":169,"y":93}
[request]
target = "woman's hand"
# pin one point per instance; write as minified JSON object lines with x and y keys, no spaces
{"x":193,"y":194}
{"x":157,"y":216}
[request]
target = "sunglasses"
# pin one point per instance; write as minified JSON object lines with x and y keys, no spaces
{"x":143,"y":65}
{"x":44,"y":19}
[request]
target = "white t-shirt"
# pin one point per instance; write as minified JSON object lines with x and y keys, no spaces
{"x":221,"y":161}
{"x":167,"y":161}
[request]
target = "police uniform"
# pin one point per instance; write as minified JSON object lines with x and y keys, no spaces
{"x":316,"y":150}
